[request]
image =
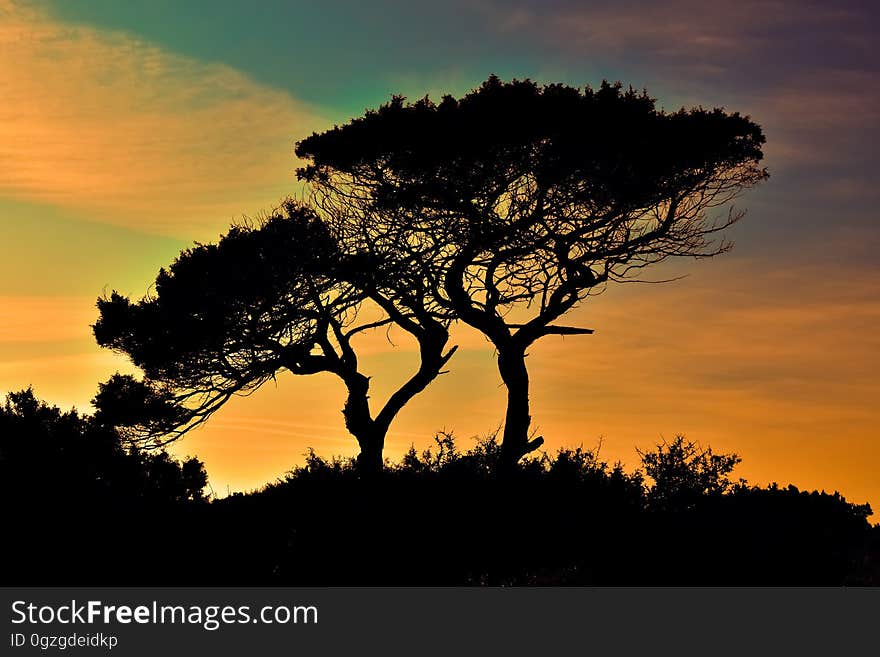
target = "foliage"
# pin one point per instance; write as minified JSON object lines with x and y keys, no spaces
{"x":45,"y":452}
{"x":82,"y":506}
{"x":89,"y":511}
{"x":224,"y":319}
{"x":683,"y":472}
{"x":443,"y":515}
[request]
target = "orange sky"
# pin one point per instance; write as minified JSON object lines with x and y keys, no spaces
{"x":115,"y":153}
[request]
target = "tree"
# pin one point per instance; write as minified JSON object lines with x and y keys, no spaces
{"x":518,"y":201}
{"x":278,"y":294}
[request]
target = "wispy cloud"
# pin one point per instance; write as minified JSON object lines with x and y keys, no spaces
{"x":687,"y":34}
{"x":137,"y":135}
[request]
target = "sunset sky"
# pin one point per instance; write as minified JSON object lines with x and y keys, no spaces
{"x":129,"y":130}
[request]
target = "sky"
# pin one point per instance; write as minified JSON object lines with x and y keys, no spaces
{"x":130,"y":130}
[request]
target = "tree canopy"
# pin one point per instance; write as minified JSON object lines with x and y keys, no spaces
{"x":225,"y":317}
{"x":519,"y":201}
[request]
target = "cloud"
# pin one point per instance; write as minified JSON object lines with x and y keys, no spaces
{"x":688,"y":34}
{"x":106,"y":122}
{"x":827,"y":120}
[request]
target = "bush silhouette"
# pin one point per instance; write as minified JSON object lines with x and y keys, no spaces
{"x":82,"y":503}
{"x":88,"y":510}
{"x":443,"y":516}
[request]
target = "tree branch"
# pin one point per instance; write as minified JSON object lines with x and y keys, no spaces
{"x":559,"y":330}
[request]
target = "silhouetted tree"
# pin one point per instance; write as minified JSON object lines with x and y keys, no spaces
{"x":225,"y":318}
{"x":516,"y":202}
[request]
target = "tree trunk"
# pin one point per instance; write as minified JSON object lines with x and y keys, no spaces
{"x":360,"y":424}
{"x":370,"y":432}
{"x":515,"y":442}
{"x":370,"y":462}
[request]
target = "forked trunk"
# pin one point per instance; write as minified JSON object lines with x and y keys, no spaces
{"x":370,"y":432}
